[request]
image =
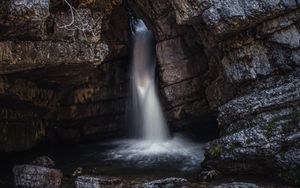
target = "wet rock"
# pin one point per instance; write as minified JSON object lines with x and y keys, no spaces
{"x":97,"y":182}
{"x":44,"y":161}
{"x":169,"y":183}
{"x":237,"y":185}
{"x":36,"y":176}
{"x":159,"y":17}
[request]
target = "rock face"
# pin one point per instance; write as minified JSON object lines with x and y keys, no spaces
{"x":62,"y":77}
{"x":238,"y":59}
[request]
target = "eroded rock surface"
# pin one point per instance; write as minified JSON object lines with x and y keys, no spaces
{"x":250,"y":49}
{"x":237,"y":185}
{"x":62,"y":77}
{"x":168,"y":182}
{"x":98,"y":182}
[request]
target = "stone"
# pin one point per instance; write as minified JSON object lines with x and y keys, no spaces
{"x":23,"y":18}
{"x":284,"y":91}
{"x":87,"y":26}
{"x":289,"y":37}
{"x":36,"y":176}
{"x":175,"y":64}
{"x":237,"y":185}
{"x":230,"y":16}
{"x":188,"y":11}
{"x":41,"y":52}
{"x":168,"y":182}
{"x":44,"y":161}
{"x":97,"y":182}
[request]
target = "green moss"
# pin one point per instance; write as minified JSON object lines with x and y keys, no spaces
{"x":234,"y":145}
{"x":282,"y":155}
{"x":248,"y":141}
{"x":215,"y":150}
{"x":269,"y":129}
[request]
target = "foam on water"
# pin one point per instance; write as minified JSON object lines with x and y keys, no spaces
{"x":153,"y":145}
{"x":178,"y":151}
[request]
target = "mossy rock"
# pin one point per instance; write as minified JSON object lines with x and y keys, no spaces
{"x":215,"y":150}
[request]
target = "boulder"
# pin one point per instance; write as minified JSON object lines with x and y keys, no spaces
{"x":168,"y":182}
{"x":237,"y":185}
{"x":98,"y":182}
{"x":32,"y":176}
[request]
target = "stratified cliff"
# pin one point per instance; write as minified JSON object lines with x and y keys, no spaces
{"x":240,"y":59}
{"x":61,"y":77}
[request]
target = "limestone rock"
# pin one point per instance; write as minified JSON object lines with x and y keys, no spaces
{"x":98,"y":182}
{"x":44,"y":161}
{"x":237,"y":185}
{"x":23,"y":18}
{"x":168,"y":182}
{"x":37,"y":176}
{"x":53,"y":52}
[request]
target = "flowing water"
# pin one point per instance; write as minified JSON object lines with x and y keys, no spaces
{"x":147,"y":119}
{"x":152,"y":144}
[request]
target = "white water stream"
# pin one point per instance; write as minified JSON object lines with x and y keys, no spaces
{"x":152,"y":144}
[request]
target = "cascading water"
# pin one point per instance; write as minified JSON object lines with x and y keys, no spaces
{"x":147,"y":115}
{"x":152,"y":145}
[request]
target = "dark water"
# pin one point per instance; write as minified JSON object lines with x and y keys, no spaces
{"x":129,"y":159}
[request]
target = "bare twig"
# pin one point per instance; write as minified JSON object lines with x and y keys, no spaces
{"x":79,"y":22}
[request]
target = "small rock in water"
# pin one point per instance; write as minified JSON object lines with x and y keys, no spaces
{"x":44,"y":161}
{"x":164,"y":183}
{"x":237,"y":185}
{"x":98,"y":182}
{"x":77,"y":172}
{"x":36,"y":176}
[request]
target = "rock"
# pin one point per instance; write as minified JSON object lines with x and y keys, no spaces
{"x":36,"y":176}
{"x":289,"y":37}
{"x":27,"y":52}
{"x":280,"y":93}
{"x":237,"y":185}
{"x":168,"y":183}
{"x":44,"y":161}
{"x":224,"y":18}
{"x":97,"y":182}
{"x":255,"y":149}
{"x":23,"y":18}
{"x":159,"y":17}
{"x":87,"y":25}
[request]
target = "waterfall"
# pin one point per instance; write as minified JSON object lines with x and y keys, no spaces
{"x":147,"y":117}
{"x":152,"y":145}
